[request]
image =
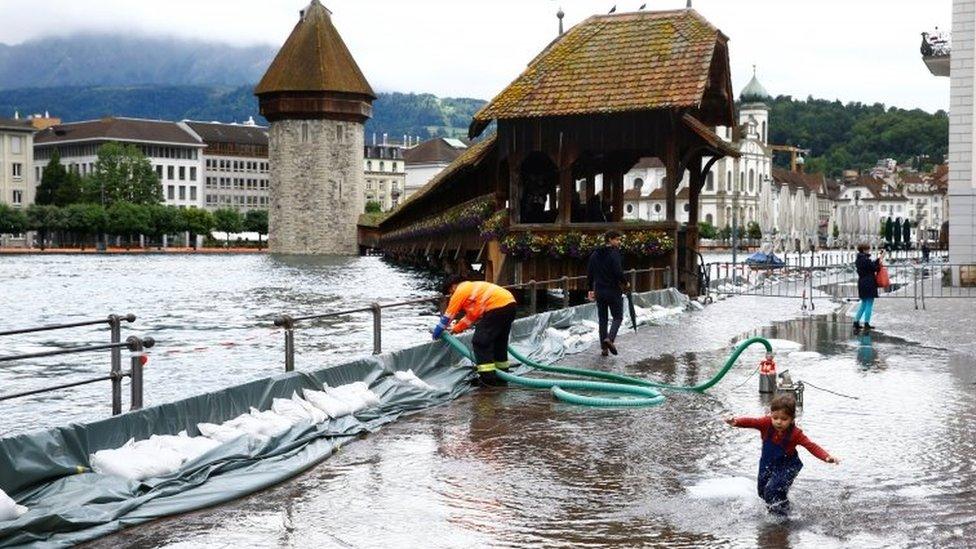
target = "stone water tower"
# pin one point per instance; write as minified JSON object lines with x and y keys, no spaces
{"x":316,"y":99}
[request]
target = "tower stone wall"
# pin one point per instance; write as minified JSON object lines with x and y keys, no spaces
{"x":316,"y":186}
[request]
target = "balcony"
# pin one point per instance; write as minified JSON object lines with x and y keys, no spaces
{"x":936,"y":49}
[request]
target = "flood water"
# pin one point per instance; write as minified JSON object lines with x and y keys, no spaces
{"x":514,"y":468}
{"x":211,"y":316}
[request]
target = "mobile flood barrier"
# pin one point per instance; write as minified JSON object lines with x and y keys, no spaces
{"x":50,"y":472}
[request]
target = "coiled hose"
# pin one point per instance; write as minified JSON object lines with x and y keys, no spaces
{"x":646,"y":391}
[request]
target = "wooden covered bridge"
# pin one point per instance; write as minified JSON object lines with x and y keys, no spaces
{"x":531,"y":200}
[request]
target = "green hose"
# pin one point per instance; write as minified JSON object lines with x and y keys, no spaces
{"x":646,"y":392}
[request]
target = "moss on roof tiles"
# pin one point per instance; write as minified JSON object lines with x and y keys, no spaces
{"x":614,"y":63}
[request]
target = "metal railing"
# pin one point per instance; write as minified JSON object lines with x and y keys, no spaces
{"x":135,"y":345}
{"x":289,"y":322}
{"x":916,"y":281}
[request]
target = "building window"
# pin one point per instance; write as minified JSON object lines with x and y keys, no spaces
{"x":686,"y":207}
{"x":382,"y":165}
{"x":18,"y":169}
{"x":170,"y":192}
{"x":182,"y":173}
{"x":710,"y":182}
{"x":708,"y":219}
{"x":304,"y":132}
{"x":764,"y":132}
{"x":728,"y":181}
{"x":630,"y":208}
{"x":18,"y":197}
{"x":16,"y":145}
{"x":339,"y":133}
{"x":394,"y":167}
{"x":638,"y":183}
{"x":752,"y":179}
{"x":657,"y":208}
{"x":369,"y":165}
{"x":169,"y":173}
{"x":193,"y":173}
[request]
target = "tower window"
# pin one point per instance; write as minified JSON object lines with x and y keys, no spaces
{"x":304,"y":132}
{"x":339,"y":133}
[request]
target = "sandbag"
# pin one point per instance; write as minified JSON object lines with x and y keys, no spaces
{"x":329,"y":404}
{"x":9,"y":510}
{"x":137,"y":461}
{"x":221,"y":433}
{"x":411,"y":378}
{"x":294,"y":410}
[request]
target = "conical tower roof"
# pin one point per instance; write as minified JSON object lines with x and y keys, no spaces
{"x":314,"y":59}
{"x":754,"y":91}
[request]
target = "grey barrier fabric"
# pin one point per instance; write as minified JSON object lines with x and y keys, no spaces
{"x":49,"y":471}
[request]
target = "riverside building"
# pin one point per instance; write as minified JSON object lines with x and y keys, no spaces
{"x":174,"y":151}
{"x":386,"y":174}
{"x":17,"y":183}
{"x":235,"y":164}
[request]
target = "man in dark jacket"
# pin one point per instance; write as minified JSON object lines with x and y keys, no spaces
{"x":604,"y":279}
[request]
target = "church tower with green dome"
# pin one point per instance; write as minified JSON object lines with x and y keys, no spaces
{"x":754,"y":108}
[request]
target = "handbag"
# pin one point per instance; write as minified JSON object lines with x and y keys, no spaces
{"x":881,"y":277}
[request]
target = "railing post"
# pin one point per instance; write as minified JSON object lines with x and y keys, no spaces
{"x":633,"y":280}
{"x":288,"y":323}
{"x":565,"y":283}
{"x":532,"y":297}
{"x":915,"y":286}
{"x":137,"y":347}
{"x":115,"y":329}
{"x":377,"y":328}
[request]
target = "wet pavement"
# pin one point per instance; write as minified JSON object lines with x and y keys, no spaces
{"x":514,"y":468}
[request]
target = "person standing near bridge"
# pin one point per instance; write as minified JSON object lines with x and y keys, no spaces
{"x":867,"y":284}
{"x":605,"y":280}
{"x":492,"y":309}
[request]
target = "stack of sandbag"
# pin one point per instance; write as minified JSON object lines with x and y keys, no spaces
{"x":9,"y":510}
{"x":342,"y":400}
{"x":411,"y":378}
{"x":298,"y":409}
{"x":255,"y":424}
{"x":156,"y":456}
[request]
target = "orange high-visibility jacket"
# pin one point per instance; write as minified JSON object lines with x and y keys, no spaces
{"x":475,"y":299}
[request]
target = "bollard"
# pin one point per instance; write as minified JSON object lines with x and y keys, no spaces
{"x":288,"y":324}
{"x":377,"y":328}
{"x":633,"y":280}
{"x":137,"y":346}
{"x":565,"y":283}
{"x":767,"y":375}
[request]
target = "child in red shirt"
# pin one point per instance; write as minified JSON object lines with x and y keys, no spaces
{"x":780,"y":463}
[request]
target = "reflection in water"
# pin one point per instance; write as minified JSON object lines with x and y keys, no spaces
{"x":867,"y":357}
{"x":513,"y":468}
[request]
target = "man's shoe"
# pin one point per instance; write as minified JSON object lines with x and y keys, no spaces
{"x":604,"y":352}
{"x":857,"y":326}
{"x":610,"y":346}
{"x":868,"y":326}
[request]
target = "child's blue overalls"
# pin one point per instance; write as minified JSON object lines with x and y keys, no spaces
{"x":777,"y":472}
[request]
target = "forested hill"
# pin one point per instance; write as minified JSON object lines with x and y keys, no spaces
{"x":856,"y":135}
{"x":840,"y":136}
{"x":396,"y":114}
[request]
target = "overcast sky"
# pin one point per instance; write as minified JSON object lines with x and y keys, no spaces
{"x":852,"y":50}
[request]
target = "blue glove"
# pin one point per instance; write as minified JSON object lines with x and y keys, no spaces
{"x":441,"y":326}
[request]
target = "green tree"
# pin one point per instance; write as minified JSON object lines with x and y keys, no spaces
{"x":43,"y":218}
{"x":228,"y":220}
{"x":256,"y":221}
{"x":754,"y":231}
{"x":123,"y":174}
{"x":128,"y":219}
{"x":373,"y":206}
{"x":71,"y":190}
{"x":84,"y":220}
{"x":725,"y":233}
{"x":52,"y":178}
{"x":163,"y":220}
{"x":12,"y":220}
{"x":196,"y":221}
{"x":836,"y":232}
{"x":707,"y":230}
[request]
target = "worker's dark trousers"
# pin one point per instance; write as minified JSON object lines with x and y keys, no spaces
{"x":490,"y":342}
{"x":615,"y":304}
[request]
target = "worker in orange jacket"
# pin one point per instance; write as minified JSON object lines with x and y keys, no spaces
{"x":493,"y":309}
